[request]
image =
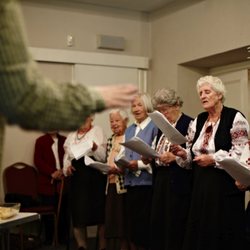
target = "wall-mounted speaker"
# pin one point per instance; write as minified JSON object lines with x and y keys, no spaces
{"x":110,"y":42}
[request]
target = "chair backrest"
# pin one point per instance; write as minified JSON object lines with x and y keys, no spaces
{"x":20,"y":178}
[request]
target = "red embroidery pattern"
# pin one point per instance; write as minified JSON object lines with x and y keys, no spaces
{"x":248,"y":161}
{"x":208,"y":132}
{"x":162,"y":148}
{"x":239,"y":123}
{"x":238,"y":134}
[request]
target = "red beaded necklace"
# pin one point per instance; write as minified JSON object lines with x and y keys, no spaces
{"x":208,"y":132}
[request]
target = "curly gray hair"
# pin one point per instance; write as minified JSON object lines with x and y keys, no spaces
{"x":167,"y":97}
{"x":216,"y":84}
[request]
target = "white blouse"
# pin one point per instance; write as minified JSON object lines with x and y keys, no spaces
{"x":96,"y":134}
{"x":239,"y":134}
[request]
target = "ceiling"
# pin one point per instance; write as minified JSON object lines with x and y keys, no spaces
{"x":137,"y":5}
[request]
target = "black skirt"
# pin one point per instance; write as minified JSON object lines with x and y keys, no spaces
{"x":87,"y":195}
{"x":116,"y":214}
{"x":139,"y":210}
{"x":169,"y":213}
{"x":216,"y":218}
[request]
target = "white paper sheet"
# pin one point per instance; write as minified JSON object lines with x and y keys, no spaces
{"x":81,"y":149}
{"x":140,"y":147}
{"x":238,"y":171}
{"x":121,"y":163}
{"x":173,"y":135}
{"x":97,"y":165}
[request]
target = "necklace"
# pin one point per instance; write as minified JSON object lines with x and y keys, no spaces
{"x":79,"y":138}
{"x":208,"y":132}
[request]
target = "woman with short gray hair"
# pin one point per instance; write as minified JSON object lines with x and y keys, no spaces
{"x":138,"y":178}
{"x":115,"y":211}
{"x":215,"y":83}
{"x":217,"y":213}
{"x":166,"y":96}
{"x":171,"y":183}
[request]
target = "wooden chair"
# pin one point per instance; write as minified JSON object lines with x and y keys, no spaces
{"x":20,"y":178}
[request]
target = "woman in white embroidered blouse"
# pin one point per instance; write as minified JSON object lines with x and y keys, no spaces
{"x":87,"y":189}
{"x":216,"y":216}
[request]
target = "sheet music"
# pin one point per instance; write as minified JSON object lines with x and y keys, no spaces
{"x":97,"y":165}
{"x":140,"y":147}
{"x":121,"y":163}
{"x":173,"y":135}
{"x":81,"y":149}
{"x":237,"y":170}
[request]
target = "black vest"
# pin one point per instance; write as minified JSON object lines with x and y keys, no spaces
{"x":222,"y":141}
{"x":180,"y":178}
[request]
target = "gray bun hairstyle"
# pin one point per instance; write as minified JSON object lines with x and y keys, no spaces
{"x":167,"y":97}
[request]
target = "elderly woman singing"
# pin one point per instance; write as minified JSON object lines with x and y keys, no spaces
{"x":216,"y":216}
{"x":115,"y":213}
{"x":138,"y":178}
{"x":87,"y":189}
{"x":171,"y":183}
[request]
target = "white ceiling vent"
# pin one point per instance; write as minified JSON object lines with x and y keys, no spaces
{"x":110,"y":42}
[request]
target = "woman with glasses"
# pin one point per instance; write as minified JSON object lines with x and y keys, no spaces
{"x":171,"y":183}
{"x":217,"y":212}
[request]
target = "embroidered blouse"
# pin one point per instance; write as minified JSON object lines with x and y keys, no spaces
{"x":163,"y":145}
{"x":239,"y":134}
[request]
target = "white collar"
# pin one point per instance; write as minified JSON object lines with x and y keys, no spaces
{"x":144,"y":123}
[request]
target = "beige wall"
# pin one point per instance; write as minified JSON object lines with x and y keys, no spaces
{"x":169,"y":37}
{"x":19,"y":143}
{"x":50,"y":22}
{"x":181,"y":32}
{"x":185,"y":33}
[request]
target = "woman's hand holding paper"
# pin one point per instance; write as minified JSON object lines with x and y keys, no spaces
{"x":146,"y":160}
{"x":133,"y":166}
{"x":177,"y":150}
{"x":167,"y":158}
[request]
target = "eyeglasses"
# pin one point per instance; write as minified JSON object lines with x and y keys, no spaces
{"x":164,"y":110}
